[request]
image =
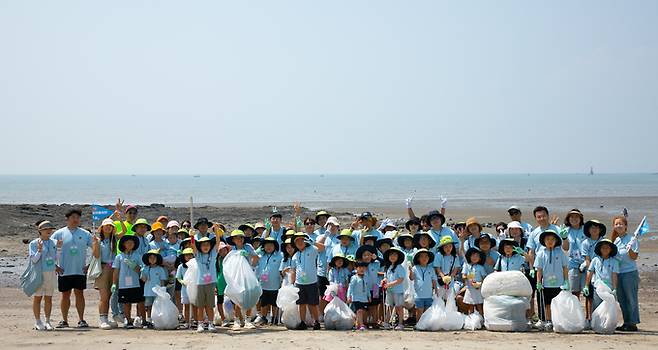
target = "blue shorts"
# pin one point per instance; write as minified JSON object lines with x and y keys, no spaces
{"x":423,"y":303}
{"x":148,"y":301}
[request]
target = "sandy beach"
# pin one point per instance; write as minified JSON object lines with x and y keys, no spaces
{"x":15,"y":221}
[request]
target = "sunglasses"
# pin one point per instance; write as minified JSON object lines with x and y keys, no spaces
{"x":187,"y":226}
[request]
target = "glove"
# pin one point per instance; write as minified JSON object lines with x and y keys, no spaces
{"x":444,"y":202}
{"x":130,"y":263}
{"x":532,"y":273}
{"x":268,"y":224}
{"x":244,"y":253}
{"x":582,"y":267}
{"x":181,"y":282}
{"x":113,"y":288}
{"x":408,"y":202}
{"x":614,"y":292}
{"x":447,"y":279}
{"x":564,"y":232}
{"x":565,"y":285}
{"x":630,"y":244}
{"x":519,"y":250}
{"x":540,"y":286}
{"x":586,"y":291}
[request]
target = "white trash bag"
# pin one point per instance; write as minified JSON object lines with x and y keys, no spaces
{"x":506,"y":313}
{"x":242,"y":285}
{"x":164,"y":313}
{"x":512,"y":283}
{"x":286,"y":300}
{"x":190,"y":279}
{"x":473,"y":321}
{"x":604,"y":318}
{"x":431,"y":319}
{"x":409,"y":301}
{"x":338,"y":316}
{"x":454,"y":320}
{"x":567,"y":314}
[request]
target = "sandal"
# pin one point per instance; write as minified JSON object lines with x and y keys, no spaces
{"x":62,"y":324}
{"x":83,"y":324}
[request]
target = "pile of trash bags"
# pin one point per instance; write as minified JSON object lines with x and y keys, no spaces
{"x":506,"y":299}
{"x":337,"y":315}
{"x":442,"y":316}
{"x":242,"y":286}
{"x":164,"y":313}
{"x":604,"y":318}
{"x":473,"y":321}
{"x":567,"y":313}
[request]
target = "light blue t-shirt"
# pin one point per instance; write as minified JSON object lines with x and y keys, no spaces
{"x":74,"y":249}
{"x":374,"y":268}
{"x":323,"y":261}
{"x":198,"y":235}
{"x":107,"y":255}
{"x":278,"y":234}
{"x":143,"y":246}
{"x":48,"y":253}
{"x":447,"y":263}
{"x":587,"y":248}
{"x":603,"y":269}
{"x":513,"y":263}
{"x":154,"y":276}
{"x":339,"y":276}
{"x":494,"y":255}
{"x":445,"y":231}
{"x":267,"y":270}
{"x":285,"y":264}
{"x":359,"y":289}
{"x":170,"y":249}
{"x":393,"y":273}
{"x":180,"y":274}
{"x":128,"y":278}
{"x":552,"y":262}
{"x":372,"y":232}
{"x":207,"y":267}
{"x":338,"y":249}
{"x":160,"y":245}
{"x":533,"y":239}
{"x":409,"y":253}
{"x":423,"y":278}
{"x":575,"y":238}
{"x":626,"y":264}
{"x":474,"y":272}
{"x":304,"y":263}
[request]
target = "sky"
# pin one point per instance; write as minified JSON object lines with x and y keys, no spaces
{"x":277,"y":87}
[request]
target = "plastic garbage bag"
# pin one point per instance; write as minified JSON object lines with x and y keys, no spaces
{"x":604,"y":318}
{"x":506,"y":313}
{"x":473,"y":321}
{"x":454,"y":320}
{"x":190,"y":280}
{"x":409,"y":301}
{"x":338,"y":316}
{"x":164,"y":313}
{"x":286,"y":300}
{"x":431,"y":319}
{"x":95,"y":269}
{"x":512,"y":283}
{"x":335,"y":290}
{"x":567,"y":314}
{"x":242,"y":286}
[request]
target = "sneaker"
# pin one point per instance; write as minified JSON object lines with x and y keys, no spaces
{"x":211,"y":328}
{"x":259,"y":320}
{"x":627,"y":328}
{"x":316,"y":326}
{"x":225,"y":323}
{"x":399,"y":327}
{"x":137,"y":323}
{"x":386,"y":326}
{"x":111,"y":323}
{"x":39,"y":326}
{"x":236,"y":325}
{"x":103,"y":324}
{"x":249,"y":325}
{"x":362,"y":328}
{"x":301,"y":327}
{"x":49,"y":327}
{"x":118,"y":319}
{"x":149,"y":325}
{"x":185,"y":326}
{"x":200,"y":329}
{"x":63,"y":324}
{"x":83,"y":324}
{"x":539,"y":325}
{"x":548,"y":326}
{"x":128,"y":324}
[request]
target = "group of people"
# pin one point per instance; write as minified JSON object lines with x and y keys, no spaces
{"x":388,"y":275}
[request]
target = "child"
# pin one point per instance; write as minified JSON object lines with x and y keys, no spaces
{"x":346,"y":245}
{"x":447,"y":263}
{"x":470,"y":234}
{"x":153,"y":275}
{"x":552,"y":272}
{"x":237,"y":240}
{"x":594,"y":230}
{"x":103,"y":249}
{"x":206,"y":258}
{"x":43,"y":251}
{"x":367,"y":253}
{"x":358,"y":294}
{"x":511,"y":257}
{"x":572,"y":242}
{"x":424,"y":278}
{"x":473,"y":274}
{"x":393,"y":284}
{"x":288,"y":251}
{"x":412,"y":225}
{"x":339,"y":274}
{"x":406,"y":244}
{"x":486,"y":243}
{"x":202,"y":225}
{"x":157,"y":237}
{"x":604,"y":267}
{"x":223,"y":250}
{"x":424,"y":240}
{"x":437,"y":230}
{"x":186,"y":255}
{"x":267,"y":271}
{"x":126,"y":272}
{"x":304,"y":276}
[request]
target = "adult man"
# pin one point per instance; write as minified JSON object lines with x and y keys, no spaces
{"x":515,"y":215}
{"x":71,"y":268}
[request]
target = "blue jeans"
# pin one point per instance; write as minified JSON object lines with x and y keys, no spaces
{"x":117,"y":309}
{"x":627,"y":285}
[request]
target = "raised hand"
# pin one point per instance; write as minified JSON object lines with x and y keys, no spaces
{"x":555,"y":220}
{"x":298,"y":208}
{"x":39,"y":246}
{"x":444,"y":202}
{"x":119,"y":205}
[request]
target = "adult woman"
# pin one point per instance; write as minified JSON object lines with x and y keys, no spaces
{"x":103,"y":248}
{"x":628,"y":279}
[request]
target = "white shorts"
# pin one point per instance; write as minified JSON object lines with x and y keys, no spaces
{"x":473,"y":296}
{"x":48,"y":286}
{"x":394,"y":299}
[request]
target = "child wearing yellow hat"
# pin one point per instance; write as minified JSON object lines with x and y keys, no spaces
{"x":186,"y":255}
